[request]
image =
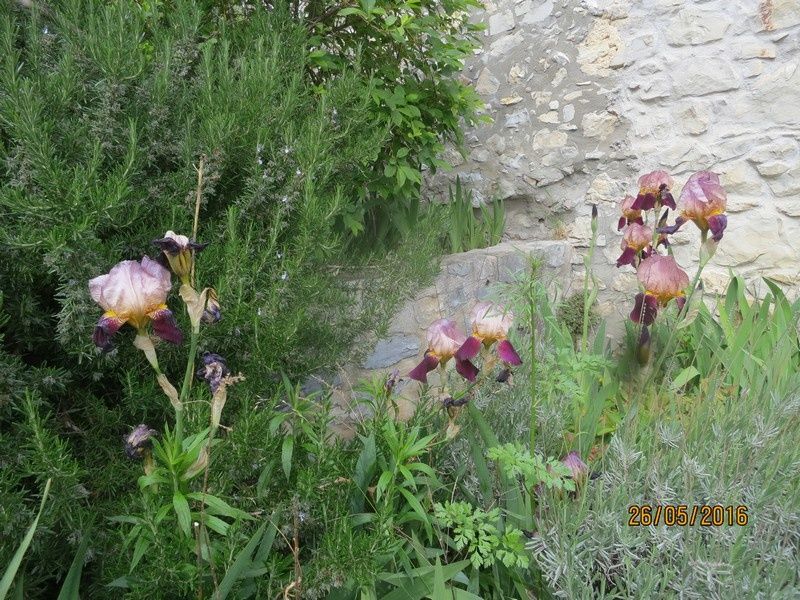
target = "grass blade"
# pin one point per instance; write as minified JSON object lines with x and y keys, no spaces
{"x":16,"y":561}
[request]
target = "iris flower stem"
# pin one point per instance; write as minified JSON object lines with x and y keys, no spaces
{"x":533,"y":375}
{"x":187,"y":384}
{"x":681,"y":311}
{"x":587,"y":265}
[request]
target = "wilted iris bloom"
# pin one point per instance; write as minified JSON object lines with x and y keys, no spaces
{"x":179,"y":251}
{"x":444,"y":340}
{"x":490,"y":325}
{"x":212,"y":313}
{"x":663,"y":280}
{"x":392,"y":379}
{"x":654,"y":189}
{"x":703,"y":200}
{"x":134,"y":293}
{"x":213,"y":370}
{"x":637,"y":239}
{"x":630,"y":215}
{"x":580,"y":470}
{"x":138,"y":441}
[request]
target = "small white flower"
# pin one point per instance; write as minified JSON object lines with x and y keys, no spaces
{"x":260,"y":161}
{"x":286,"y":150}
{"x":298,"y":172}
{"x":279,"y":255}
{"x":285,"y":199}
{"x":284,"y":276}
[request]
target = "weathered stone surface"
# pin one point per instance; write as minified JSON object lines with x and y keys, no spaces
{"x":599,"y":91}
{"x":779,"y":14}
{"x":605,"y":190}
{"x":545,"y":138}
{"x":536,"y":11}
{"x":598,"y":50}
{"x":500,"y":23}
{"x":487,"y":83}
{"x":700,"y":77}
{"x":599,"y":125}
{"x":518,"y":118}
{"x":388,"y":352}
{"x":694,"y":25}
{"x":787,"y":185}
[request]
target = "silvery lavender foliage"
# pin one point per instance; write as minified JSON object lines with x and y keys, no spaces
{"x":721,"y":454}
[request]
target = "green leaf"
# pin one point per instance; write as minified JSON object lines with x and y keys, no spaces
{"x":183,"y":513}
{"x":72,"y":582}
{"x":684,"y":377}
{"x":439,"y":586}
{"x":218,"y":506}
{"x":139,"y":548}
{"x":286,"y":454}
{"x":240,"y":564}
{"x":16,"y":560}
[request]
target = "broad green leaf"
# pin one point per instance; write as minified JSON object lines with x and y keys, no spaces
{"x":286,"y":454}
{"x":684,"y":377}
{"x":183,"y":513}
{"x":439,"y":587}
{"x":218,"y":506}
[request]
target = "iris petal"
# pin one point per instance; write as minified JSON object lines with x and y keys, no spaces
{"x":428,"y":364}
{"x":717,"y":225}
{"x":672,"y":228}
{"x":467,"y":370}
{"x":627,"y":257}
{"x":165,"y":326}
{"x":106,"y":327}
{"x":668,"y":200}
{"x":469,"y":349}
{"x":508,"y":354}
{"x":645,"y":309}
{"x":621,"y":224}
{"x":644,"y":201}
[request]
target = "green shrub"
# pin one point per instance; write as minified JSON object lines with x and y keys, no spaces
{"x":105,"y":111}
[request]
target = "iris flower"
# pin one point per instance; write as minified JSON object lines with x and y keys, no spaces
{"x":138,"y":441}
{"x":629,"y":214}
{"x":654,"y":189}
{"x":490,"y":325}
{"x":663,"y":280}
{"x":638,"y":238}
{"x":179,"y":251}
{"x":134,"y":293}
{"x":703,"y":200}
{"x":444,"y":340}
{"x":580,"y":469}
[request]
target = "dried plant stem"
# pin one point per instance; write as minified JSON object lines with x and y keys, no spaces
{"x":297,"y":584}
{"x":198,"y":197}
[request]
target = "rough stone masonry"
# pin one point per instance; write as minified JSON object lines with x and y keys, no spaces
{"x":587,"y":95}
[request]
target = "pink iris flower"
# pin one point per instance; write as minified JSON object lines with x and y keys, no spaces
{"x":663,"y":280}
{"x":703,"y":201}
{"x":654,"y":189}
{"x":490,"y":325}
{"x":637,"y":239}
{"x":629,"y":214}
{"x":444,"y":340}
{"x":134,"y":293}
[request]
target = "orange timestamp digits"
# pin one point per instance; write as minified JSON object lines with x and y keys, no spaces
{"x":681,"y":515}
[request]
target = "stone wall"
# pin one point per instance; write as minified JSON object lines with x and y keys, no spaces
{"x":586,"y":96}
